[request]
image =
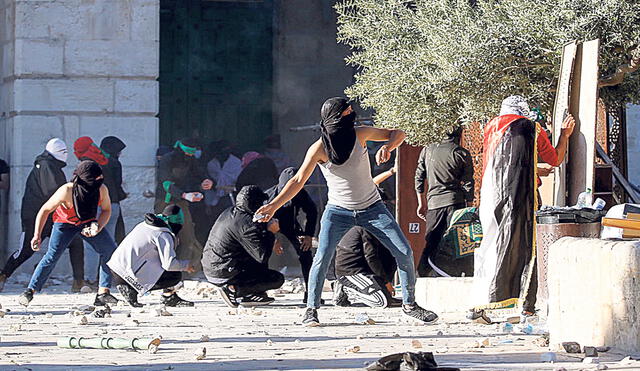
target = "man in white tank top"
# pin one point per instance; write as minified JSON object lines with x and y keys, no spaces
{"x":353,"y":201}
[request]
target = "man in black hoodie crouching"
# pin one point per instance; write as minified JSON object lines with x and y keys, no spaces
{"x":237,"y":252}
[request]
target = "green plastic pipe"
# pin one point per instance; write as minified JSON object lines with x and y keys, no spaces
{"x":108,"y":343}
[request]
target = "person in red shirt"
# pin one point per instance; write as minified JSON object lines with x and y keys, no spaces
{"x":75,"y":207}
{"x":508,"y":192}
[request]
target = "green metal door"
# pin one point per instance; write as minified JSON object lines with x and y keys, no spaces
{"x":216,"y":71}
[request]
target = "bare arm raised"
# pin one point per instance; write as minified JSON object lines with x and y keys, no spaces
{"x":315,"y":154}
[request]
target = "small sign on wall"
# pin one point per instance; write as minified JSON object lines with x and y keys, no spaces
{"x":414,"y":228}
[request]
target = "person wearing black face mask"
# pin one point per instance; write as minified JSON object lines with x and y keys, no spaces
{"x":237,"y":253}
{"x":112,"y":147}
{"x":354,"y":200}
{"x":76,"y":208}
{"x":146,"y":259}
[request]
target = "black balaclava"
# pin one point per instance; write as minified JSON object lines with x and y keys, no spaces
{"x":86,"y":189}
{"x":250,"y":198}
{"x":112,"y":145}
{"x":338,"y":132}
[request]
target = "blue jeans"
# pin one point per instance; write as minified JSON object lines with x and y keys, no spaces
{"x":61,"y":236}
{"x":91,"y":259}
{"x":376,"y":219}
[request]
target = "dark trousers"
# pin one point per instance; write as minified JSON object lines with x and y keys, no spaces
{"x":437,"y":223}
{"x":76,"y":251}
{"x":304,"y":257}
{"x":256,"y":280}
{"x":167,"y":279}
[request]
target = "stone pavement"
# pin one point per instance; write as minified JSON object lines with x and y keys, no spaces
{"x":268,"y":338}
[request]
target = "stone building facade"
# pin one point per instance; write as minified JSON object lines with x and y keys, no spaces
{"x":71,"y":68}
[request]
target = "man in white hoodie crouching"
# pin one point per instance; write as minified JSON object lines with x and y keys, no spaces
{"x":146,"y":259}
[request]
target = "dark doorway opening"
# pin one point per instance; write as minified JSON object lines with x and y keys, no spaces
{"x":216,"y":71}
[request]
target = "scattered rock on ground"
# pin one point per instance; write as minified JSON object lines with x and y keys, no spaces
{"x":416,"y":344}
{"x":571,"y":347}
{"x":353,"y":349}
{"x":200,"y":353}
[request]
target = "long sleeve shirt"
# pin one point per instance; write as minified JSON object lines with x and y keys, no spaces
{"x":445,"y":170}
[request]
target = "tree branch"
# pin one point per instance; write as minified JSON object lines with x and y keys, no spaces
{"x":617,"y":77}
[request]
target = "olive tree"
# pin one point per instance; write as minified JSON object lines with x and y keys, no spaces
{"x":425,"y":65}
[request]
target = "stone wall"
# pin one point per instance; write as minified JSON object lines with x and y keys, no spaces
{"x":594,"y":293}
{"x":72,"y":68}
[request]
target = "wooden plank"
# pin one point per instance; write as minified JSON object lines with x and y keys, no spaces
{"x":406,"y":200}
{"x":560,"y":107}
{"x":621,"y":223}
{"x":583,"y":106}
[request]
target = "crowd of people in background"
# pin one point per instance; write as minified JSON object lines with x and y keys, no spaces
{"x":227,"y":213}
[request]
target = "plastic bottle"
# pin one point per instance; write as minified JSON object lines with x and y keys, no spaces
{"x":599,"y":204}
{"x":585,"y":199}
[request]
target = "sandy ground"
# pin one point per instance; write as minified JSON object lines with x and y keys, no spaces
{"x":267,"y":338}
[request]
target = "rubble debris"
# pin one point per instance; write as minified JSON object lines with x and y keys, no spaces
{"x":442,"y":350}
{"x":133,"y":323}
{"x":360,"y":337}
{"x":439,"y":333}
{"x":81,"y":320}
{"x":416,"y":344}
{"x":548,"y":357}
{"x":542,"y":341}
{"x":603,"y":367}
{"x":2,"y":313}
{"x":49,"y":315}
{"x":514,"y":320}
{"x":269,"y":342}
{"x":353,"y":349}
{"x":364,"y":319}
{"x":591,"y":360}
{"x":200,"y":353}
{"x":297,"y":341}
{"x":87,"y":309}
{"x":571,"y":347}
{"x":108,"y":343}
{"x":161,"y":312}
{"x":204,"y":338}
{"x":486,"y":342}
{"x":102,"y":313}
{"x":86,"y":289}
{"x":603,"y":349}
{"x":590,"y":351}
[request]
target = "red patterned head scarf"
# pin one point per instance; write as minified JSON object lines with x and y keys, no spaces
{"x":85,"y":148}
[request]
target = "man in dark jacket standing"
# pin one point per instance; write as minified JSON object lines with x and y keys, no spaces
{"x":237,"y":252}
{"x":180,"y":181}
{"x":444,"y":183}
{"x":301,"y":239}
{"x":43,"y":180}
{"x":112,"y":147}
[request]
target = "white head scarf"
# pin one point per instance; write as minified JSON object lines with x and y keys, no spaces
{"x":517,"y":105}
{"x":58,"y":149}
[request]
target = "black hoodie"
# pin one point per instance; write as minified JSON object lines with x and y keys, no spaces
{"x":43,"y":181}
{"x":287,"y":215}
{"x":236,"y":243}
{"x":113,"y":170}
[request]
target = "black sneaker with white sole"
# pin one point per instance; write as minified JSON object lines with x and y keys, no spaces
{"x":25,"y":298}
{"x":103,"y":299}
{"x":420,"y":314}
{"x":228,"y":296}
{"x":310,"y":318}
{"x":174,"y":300}
{"x":130,"y":295}
{"x":256,"y":300}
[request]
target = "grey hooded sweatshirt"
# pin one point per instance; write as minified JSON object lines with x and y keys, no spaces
{"x":146,"y":253}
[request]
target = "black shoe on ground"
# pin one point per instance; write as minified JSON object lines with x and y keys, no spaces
{"x":26,"y":297}
{"x":340,"y":298}
{"x":256,"y":300}
{"x":175,"y":301}
{"x":228,"y":296}
{"x":310,"y":318}
{"x":420,"y":314}
{"x":130,"y":295}
{"x":103,"y":299}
